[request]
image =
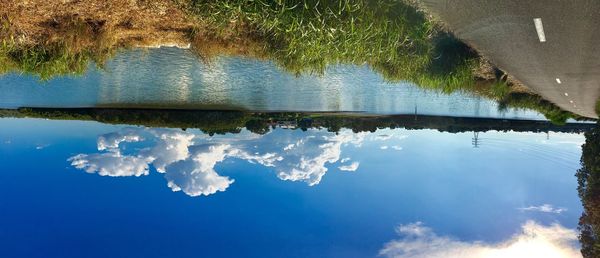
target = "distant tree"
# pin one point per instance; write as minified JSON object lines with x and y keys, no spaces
{"x":257,"y":126}
{"x":588,"y":178}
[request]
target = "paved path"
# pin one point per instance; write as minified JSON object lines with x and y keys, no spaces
{"x":552,"y":46}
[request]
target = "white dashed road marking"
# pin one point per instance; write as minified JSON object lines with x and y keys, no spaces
{"x":540,"y":29}
{"x":558,"y":81}
{"x":566,"y":94}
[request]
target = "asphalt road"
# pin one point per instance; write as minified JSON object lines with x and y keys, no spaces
{"x":564,"y":68}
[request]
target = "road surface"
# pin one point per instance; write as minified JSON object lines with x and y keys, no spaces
{"x":552,"y":46}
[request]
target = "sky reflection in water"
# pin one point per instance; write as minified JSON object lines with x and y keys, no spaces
{"x":395,"y":192}
{"x":171,"y":77}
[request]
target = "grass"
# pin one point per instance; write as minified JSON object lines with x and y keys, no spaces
{"x":307,"y":36}
{"x":534,"y":102}
{"x":499,"y":89}
{"x":68,"y":51}
{"x":45,"y":62}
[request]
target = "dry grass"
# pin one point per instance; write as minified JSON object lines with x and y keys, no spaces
{"x":72,"y":45}
{"x":49,"y":38}
{"x":206,"y":45}
{"x":131,"y":22}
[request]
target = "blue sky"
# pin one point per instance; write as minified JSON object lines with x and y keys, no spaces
{"x":74,"y":188}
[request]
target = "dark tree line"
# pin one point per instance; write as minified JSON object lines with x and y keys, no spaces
{"x":220,"y":122}
{"x":588,"y":178}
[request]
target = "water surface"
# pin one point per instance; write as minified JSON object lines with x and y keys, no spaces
{"x":171,"y":77}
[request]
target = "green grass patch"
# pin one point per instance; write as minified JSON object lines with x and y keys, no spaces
{"x":307,"y":36}
{"x":534,"y":102}
{"x":499,"y":89}
{"x":45,"y":62}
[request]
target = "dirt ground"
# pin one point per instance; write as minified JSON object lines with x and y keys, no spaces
{"x":137,"y":23}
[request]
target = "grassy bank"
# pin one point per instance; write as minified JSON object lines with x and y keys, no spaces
{"x":80,"y":43}
{"x":306,"y":36}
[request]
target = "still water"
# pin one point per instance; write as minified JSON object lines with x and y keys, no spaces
{"x":172,"y":77}
{"x":86,"y":189}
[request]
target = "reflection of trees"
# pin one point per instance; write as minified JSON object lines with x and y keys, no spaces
{"x":588,"y":178}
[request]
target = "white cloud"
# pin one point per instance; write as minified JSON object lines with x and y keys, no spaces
{"x":110,"y":164}
{"x":41,"y":146}
{"x":187,"y":167}
{"x":172,"y":146}
{"x":196,"y":176}
{"x":384,"y":147}
{"x":267,"y":159}
{"x":396,"y":147}
{"x":307,"y":162}
{"x":534,"y":240}
{"x":289,"y":147}
{"x":344,"y":160}
{"x":298,"y":143}
{"x":547,"y":208}
{"x":112,"y":140}
{"x":188,"y":160}
{"x":113,"y":163}
{"x":352,"y":167}
{"x":383,"y":137}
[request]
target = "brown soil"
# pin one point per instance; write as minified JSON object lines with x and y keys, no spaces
{"x":130,"y":22}
{"x":486,"y":74}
